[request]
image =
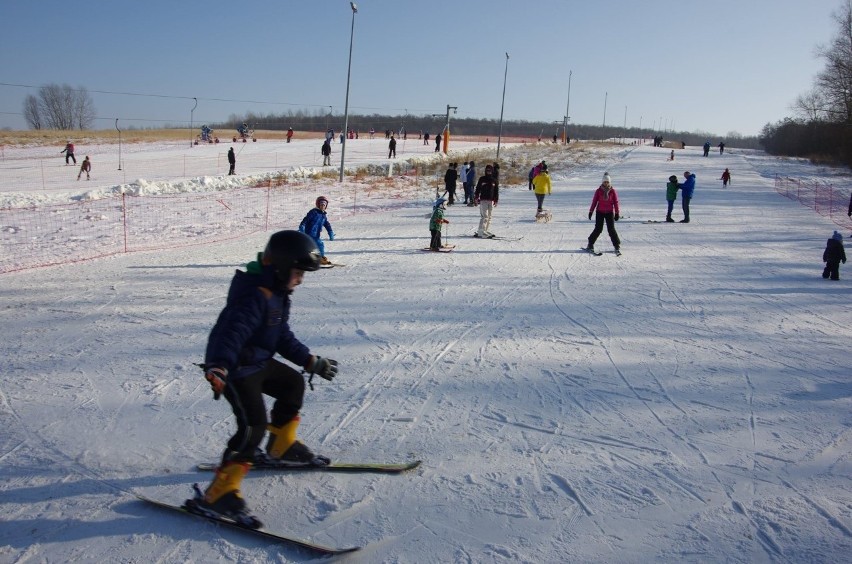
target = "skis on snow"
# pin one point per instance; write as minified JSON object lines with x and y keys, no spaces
{"x":497,"y":238}
{"x":352,"y":467}
{"x":187,"y":509}
{"x":444,"y":249}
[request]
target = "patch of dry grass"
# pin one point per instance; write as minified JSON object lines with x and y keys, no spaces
{"x":58,"y":137}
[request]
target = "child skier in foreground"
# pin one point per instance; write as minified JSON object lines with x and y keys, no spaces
{"x":832,"y":256}
{"x":313,"y":223}
{"x":239,"y":364}
{"x":435,"y":223}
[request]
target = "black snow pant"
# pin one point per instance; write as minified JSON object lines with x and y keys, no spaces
{"x":245,"y":395}
{"x":609,"y":218}
{"x":435,"y":243}
{"x":451,"y":190}
{"x":832,"y":270}
{"x":685,"y":205}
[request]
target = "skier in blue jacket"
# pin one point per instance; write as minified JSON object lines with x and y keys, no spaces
{"x":313,"y":224}
{"x":686,"y":190}
{"x":239,"y":364}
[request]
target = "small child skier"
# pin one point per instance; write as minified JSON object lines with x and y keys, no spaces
{"x":726,"y":177}
{"x":85,"y":167}
{"x":313,"y":224}
{"x":671,"y":196}
{"x":833,"y":255}
{"x":435,"y":223}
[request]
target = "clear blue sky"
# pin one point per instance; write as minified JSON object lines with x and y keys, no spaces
{"x":716,"y":66}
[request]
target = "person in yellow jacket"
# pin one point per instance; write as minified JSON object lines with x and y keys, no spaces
{"x":541,"y":186}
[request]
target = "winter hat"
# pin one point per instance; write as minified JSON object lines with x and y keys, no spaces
{"x":837,"y":236}
{"x":439,"y":203}
{"x":606,"y":179}
{"x":321,"y":200}
{"x":673,"y":178}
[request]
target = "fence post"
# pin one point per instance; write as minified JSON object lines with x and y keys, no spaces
{"x":124,"y":218}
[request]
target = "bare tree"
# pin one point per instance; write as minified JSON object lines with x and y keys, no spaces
{"x":811,"y":106}
{"x":84,"y":109}
{"x":59,"y":107}
{"x":834,"y":83}
{"x":31,"y":113}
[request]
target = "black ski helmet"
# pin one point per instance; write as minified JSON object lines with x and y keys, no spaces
{"x":287,"y":250}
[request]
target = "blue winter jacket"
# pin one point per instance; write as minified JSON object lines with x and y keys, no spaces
{"x":688,"y":187}
{"x":314,"y":222}
{"x":253,"y":325}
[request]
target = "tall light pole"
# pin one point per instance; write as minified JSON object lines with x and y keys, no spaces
{"x":190,"y":121}
{"x":502,"y":105}
{"x":119,"y":143}
{"x":567,"y":111}
{"x":606,"y":95}
{"x":348,"y":75}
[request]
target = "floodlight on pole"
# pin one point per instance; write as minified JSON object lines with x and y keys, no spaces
{"x":567,"y":110}
{"x":119,"y":143}
{"x":346,"y":108}
{"x":190,"y":121}
{"x":502,"y":105}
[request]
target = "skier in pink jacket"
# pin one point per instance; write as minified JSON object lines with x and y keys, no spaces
{"x":605,"y":201}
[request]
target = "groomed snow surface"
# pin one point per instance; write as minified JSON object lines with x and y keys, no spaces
{"x":688,"y":401}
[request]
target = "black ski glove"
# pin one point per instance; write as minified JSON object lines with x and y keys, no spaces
{"x":616,"y":217}
{"x":324,"y":367}
{"x":590,"y":215}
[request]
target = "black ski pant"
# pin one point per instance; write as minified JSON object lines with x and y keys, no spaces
{"x":609,"y":219}
{"x":832,"y":270}
{"x":435,"y":243}
{"x":685,"y":204}
{"x":451,"y":190}
{"x":540,"y":199}
{"x":245,"y":395}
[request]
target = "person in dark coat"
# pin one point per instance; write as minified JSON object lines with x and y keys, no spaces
{"x":450,"y":178}
{"x":437,"y":142}
{"x":232,"y":160}
{"x":326,"y":153}
{"x":832,"y":256}
{"x":392,"y":147}
{"x":486,"y":194}
{"x":239,"y":364}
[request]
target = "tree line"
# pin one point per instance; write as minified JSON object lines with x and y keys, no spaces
{"x":822,"y":127}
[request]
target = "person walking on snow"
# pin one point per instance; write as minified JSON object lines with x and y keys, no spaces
{"x":392,"y":148}
{"x":69,"y":152}
{"x":239,"y":365}
{"x":541,"y":185}
{"x":463,"y":178}
{"x":85,"y":166}
{"x":686,"y":190}
{"x":232,"y":160}
{"x":726,"y":177}
{"x":486,"y":195}
{"x":313,"y":224}
{"x":471,"y":178}
{"x":435,"y":223}
{"x":326,"y":153}
{"x":832,"y":256}
{"x":450,"y":178}
{"x":289,"y":134}
{"x":605,"y":201}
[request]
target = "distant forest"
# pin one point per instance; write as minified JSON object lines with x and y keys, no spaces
{"x":414,"y":125}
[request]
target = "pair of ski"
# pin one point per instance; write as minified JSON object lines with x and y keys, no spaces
{"x":443,"y":249}
{"x":189,"y":507}
{"x":331,"y":265}
{"x":599,"y":253}
{"x":497,"y":238}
